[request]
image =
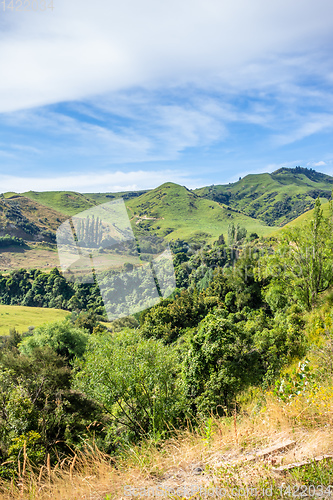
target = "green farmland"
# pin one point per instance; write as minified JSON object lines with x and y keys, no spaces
{"x":21,"y":317}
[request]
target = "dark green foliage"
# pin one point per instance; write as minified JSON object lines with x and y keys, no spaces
{"x":7,"y":241}
{"x":194,"y":265}
{"x":279,"y":341}
{"x":169,"y":319}
{"x":38,"y":405}
{"x":220,"y":363}
{"x":137,"y":382}
{"x":35,"y":288}
{"x":128,"y":322}
{"x":87,"y":320}
{"x":65,"y":339}
{"x":232,"y":351}
{"x":253,"y":236}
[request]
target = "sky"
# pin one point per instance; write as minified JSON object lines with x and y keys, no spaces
{"x":112,"y":96}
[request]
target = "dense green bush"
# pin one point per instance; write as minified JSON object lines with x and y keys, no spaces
{"x":66,"y":339}
{"x":137,"y":382}
{"x":37,"y":398}
{"x":35,"y":288}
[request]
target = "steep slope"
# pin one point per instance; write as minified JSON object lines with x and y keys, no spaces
{"x":174,"y":211}
{"x":275,"y":198}
{"x":304,"y":218}
{"x":23,"y":217}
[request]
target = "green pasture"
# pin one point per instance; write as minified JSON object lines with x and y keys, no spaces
{"x":21,"y":317}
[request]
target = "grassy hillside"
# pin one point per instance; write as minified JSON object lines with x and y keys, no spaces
{"x":260,"y":202}
{"x":21,"y":317}
{"x":71,"y":203}
{"x":173,"y":211}
{"x":66,"y":202}
{"x":275,"y":198}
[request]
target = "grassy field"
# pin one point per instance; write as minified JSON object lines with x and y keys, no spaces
{"x":21,"y":317}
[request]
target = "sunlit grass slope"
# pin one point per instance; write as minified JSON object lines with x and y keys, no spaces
{"x":26,"y":218}
{"x":66,"y":202}
{"x":21,"y":317}
{"x":173,"y":211}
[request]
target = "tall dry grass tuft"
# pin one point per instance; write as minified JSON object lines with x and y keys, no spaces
{"x":306,"y":418}
{"x":89,"y":474}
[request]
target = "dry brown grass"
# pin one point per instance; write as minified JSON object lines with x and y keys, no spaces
{"x":220,"y":448}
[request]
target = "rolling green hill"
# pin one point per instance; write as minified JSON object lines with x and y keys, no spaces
{"x":173,"y":211}
{"x":71,"y":203}
{"x":65,"y":202}
{"x":275,"y":198}
{"x":260,"y":202}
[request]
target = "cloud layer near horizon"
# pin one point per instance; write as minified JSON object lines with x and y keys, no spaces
{"x":95,"y":182}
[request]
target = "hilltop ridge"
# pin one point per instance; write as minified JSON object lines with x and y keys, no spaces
{"x":275,"y":198}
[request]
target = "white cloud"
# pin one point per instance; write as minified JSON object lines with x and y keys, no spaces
{"x":83,"y":49}
{"x":319,"y":164}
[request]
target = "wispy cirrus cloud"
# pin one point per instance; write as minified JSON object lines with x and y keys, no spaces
{"x":313,"y":124}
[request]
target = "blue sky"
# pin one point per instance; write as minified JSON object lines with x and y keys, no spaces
{"x":109,"y":96}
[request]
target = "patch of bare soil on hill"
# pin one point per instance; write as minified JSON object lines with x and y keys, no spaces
{"x":33,"y":257}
